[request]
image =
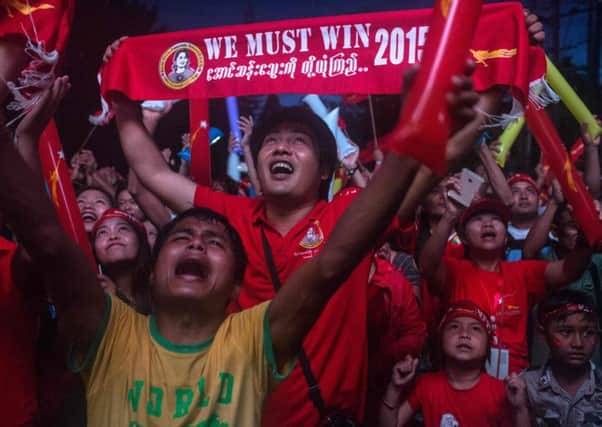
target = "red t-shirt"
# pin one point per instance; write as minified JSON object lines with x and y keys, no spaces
{"x":336,"y":345}
{"x":483,"y":405}
{"x":506,"y":295}
{"x":18,"y":405}
{"x":395,"y":328}
{"x":395,"y":325}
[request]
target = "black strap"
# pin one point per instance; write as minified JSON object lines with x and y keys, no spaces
{"x":593,"y":270}
{"x":312,"y":384}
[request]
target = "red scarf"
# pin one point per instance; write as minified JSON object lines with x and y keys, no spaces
{"x":363,"y":53}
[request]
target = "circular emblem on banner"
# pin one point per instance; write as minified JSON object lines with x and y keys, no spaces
{"x":181,"y":65}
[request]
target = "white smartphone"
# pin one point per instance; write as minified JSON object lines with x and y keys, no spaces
{"x":470,"y":183}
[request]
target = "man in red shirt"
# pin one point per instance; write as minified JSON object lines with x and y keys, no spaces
{"x":395,"y":327}
{"x":506,"y":290}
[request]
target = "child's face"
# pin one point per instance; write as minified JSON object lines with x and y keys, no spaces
{"x":572,"y":340}
{"x":485,"y":231}
{"x":464,"y":339}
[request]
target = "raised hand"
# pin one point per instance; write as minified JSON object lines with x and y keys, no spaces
{"x":586,"y":136}
{"x":462,"y":100}
{"x":535,"y":28}
{"x":452,"y":209}
{"x":404,"y":371}
{"x":495,"y":147}
{"x":246,"y":125}
{"x":112,"y":48}
{"x":516,"y":391}
{"x":34,"y":122}
{"x":351,"y":160}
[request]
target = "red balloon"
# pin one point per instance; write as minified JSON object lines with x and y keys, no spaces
{"x":563,"y":169}
{"x":425,"y":125}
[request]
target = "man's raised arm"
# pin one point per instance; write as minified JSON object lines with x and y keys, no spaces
{"x":146,"y":160}
{"x":71,"y":279}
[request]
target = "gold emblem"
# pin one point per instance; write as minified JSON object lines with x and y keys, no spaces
{"x":445,"y":4}
{"x":481,"y":56}
{"x":181,"y":65}
{"x":314,"y":236}
{"x":568,"y":168}
{"x":23,"y":7}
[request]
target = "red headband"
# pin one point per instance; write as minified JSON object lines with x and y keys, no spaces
{"x":565,"y":310}
{"x":467,"y":309}
{"x":116,"y":213}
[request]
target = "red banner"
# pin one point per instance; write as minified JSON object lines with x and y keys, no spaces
{"x":363,"y":53}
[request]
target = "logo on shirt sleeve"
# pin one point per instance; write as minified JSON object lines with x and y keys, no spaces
{"x":314,"y":236}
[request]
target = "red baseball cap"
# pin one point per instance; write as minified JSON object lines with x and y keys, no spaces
{"x":522,"y":177}
{"x":467,"y":309}
{"x":116,"y":213}
{"x":486,"y":204}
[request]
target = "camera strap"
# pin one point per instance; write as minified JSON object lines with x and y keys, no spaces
{"x":313,"y":386}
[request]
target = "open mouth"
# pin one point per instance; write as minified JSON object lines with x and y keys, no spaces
{"x":281,"y":167}
{"x":88,"y":216}
{"x":488,"y":235}
{"x":192,"y":268}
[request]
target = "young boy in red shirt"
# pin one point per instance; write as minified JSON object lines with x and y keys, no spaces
{"x":461,"y":394}
{"x":506,"y":290}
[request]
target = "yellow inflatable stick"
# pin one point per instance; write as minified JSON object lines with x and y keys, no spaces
{"x":571,"y":99}
{"x":507,"y":139}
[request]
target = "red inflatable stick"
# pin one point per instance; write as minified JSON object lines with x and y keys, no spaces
{"x":56,"y":175}
{"x":425,"y":125}
{"x":577,"y":150}
{"x":562,"y":167}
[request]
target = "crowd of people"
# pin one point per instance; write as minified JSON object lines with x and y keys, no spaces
{"x":262,"y":302}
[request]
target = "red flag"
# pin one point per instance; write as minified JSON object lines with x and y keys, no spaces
{"x":563,"y":169}
{"x":56,"y":174}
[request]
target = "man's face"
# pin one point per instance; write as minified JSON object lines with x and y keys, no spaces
{"x":288,"y":163}
{"x":524,"y":199}
{"x":464,"y":339}
{"x":126,"y":203}
{"x":485,"y":231}
{"x":92,"y":204}
{"x":572,"y":340}
{"x":197,"y":263}
{"x":116,"y":241}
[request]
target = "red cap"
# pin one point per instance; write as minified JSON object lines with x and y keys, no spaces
{"x":485,"y":204}
{"x":522,"y":177}
{"x":467,"y":309}
{"x":116,"y":213}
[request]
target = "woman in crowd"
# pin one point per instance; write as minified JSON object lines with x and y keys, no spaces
{"x":123,"y":255}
